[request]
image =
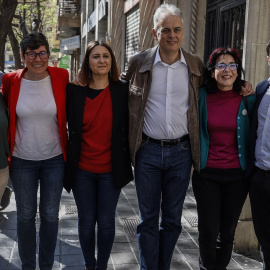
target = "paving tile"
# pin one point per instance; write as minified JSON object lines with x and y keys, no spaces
{"x":119,"y":229}
{"x":176,"y":265}
{"x":135,"y":246}
{"x":195,"y":236}
{"x":4,"y":263}
{"x":15,"y":264}
{"x":121,"y":238}
{"x":15,"y":253}
{"x":69,"y":231}
{"x":56,"y":263}
{"x":70,"y":223}
{"x":247,"y":263}
{"x":6,"y":242}
{"x":127,"y":267}
{"x":8,"y":234}
{"x":9,"y":225}
{"x":192,"y":257}
{"x":70,"y":250}
{"x":77,"y":267}
{"x":57,"y":250}
{"x":65,"y":216}
{"x":121,"y":247}
{"x":186,"y":243}
{"x":126,"y":214}
{"x":72,"y":260}
{"x":123,"y":258}
{"x":176,"y":256}
{"x":70,"y":240}
{"x":5,"y":252}
{"x":233,"y":265}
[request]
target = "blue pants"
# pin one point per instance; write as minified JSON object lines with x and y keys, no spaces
{"x":25,"y":176}
{"x":260,"y":205}
{"x":96,"y":198}
{"x":162,"y":175}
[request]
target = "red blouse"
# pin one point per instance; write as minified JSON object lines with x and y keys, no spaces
{"x":97,"y":134}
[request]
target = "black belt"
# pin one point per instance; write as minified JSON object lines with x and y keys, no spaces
{"x":167,"y":142}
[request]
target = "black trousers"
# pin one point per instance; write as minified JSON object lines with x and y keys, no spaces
{"x":220,"y":195}
{"x":260,"y":206}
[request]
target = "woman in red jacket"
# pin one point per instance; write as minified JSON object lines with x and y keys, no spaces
{"x":37,"y":147}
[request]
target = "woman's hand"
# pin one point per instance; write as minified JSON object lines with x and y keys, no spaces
{"x":247,"y":89}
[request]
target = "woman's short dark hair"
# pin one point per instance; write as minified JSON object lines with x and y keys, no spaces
{"x":33,"y":41}
{"x":86,"y":74}
{"x":211,"y":83}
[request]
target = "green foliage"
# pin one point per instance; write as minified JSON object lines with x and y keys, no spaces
{"x":35,"y":15}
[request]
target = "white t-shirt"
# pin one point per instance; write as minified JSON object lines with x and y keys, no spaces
{"x":37,"y":134}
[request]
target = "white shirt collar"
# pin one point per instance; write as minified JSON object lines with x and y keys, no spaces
{"x":158,"y":59}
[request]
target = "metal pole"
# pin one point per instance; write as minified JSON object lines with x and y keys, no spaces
{"x":96,"y":28}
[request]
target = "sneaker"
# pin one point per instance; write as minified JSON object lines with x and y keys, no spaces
{"x":5,"y":199}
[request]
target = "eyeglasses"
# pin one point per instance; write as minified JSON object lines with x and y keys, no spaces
{"x":33,"y":55}
{"x":166,"y":31}
{"x":222,"y":67}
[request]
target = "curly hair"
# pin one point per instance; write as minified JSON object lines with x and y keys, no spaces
{"x":85,"y":73}
{"x":211,"y":83}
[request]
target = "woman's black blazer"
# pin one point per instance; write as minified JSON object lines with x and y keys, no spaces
{"x":121,"y":164}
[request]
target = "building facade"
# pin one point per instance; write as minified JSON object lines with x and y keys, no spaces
{"x":68,"y":33}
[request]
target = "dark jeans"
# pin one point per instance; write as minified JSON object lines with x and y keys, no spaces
{"x":260,"y":205}
{"x":25,"y":176}
{"x":162,"y":176}
{"x":220,"y":195}
{"x":96,"y":198}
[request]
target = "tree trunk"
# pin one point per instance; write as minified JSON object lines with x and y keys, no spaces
{"x":7,"y":10}
{"x":15,"y":48}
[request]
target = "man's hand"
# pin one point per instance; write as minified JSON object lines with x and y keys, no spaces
{"x":247,"y":89}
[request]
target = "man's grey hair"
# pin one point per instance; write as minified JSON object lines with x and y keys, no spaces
{"x":166,"y":9}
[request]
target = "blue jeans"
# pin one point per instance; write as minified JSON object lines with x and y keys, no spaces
{"x":96,"y":198}
{"x":25,"y":176}
{"x":162,"y":176}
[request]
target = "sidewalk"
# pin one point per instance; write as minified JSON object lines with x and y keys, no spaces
{"x":125,"y":255}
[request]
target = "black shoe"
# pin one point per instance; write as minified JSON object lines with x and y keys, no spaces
{"x":5,"y":199}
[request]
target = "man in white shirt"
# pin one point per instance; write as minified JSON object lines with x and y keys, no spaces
{"x":164,"y":84}
{"x":164,"y":134}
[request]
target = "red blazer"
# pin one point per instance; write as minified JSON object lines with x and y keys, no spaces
{"x":11,"y":83}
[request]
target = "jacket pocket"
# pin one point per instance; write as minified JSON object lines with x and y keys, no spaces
{"x":135,"y":98}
